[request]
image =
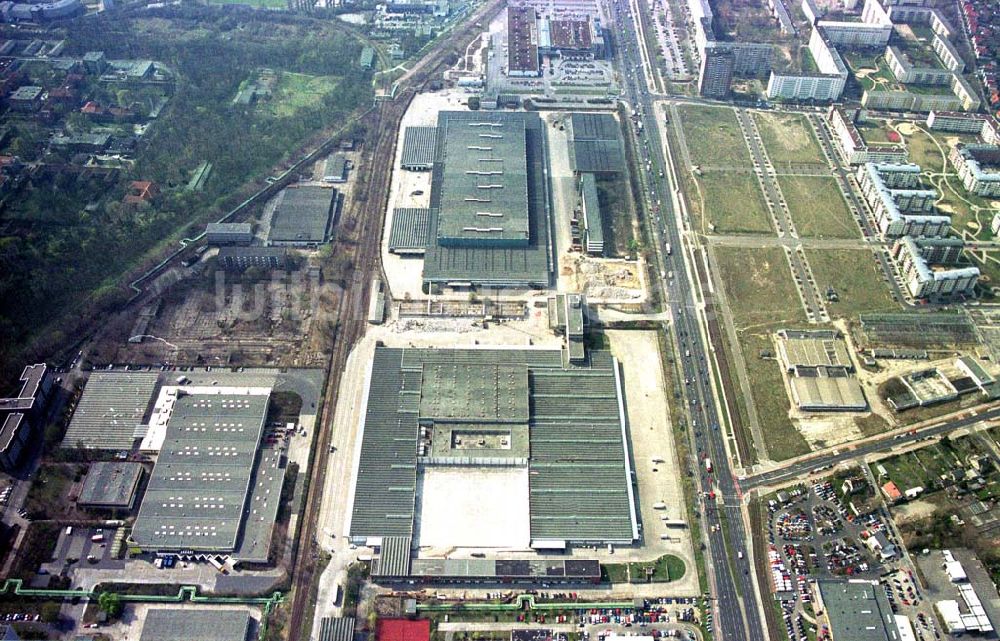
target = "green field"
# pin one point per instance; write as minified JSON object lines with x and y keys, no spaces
{"x":818,"y":207}
{"x":713,"y":136}
{"x":924,"y":152}
{"x":733,"y":203}
{"x":788,"y":138}
{"x":759,"y":287}
{"x":663,"y":570}
{"x":296,"y":91}
{"x":852,"y":273}
{"x":762,"y":298}
{"x":769,"y":397}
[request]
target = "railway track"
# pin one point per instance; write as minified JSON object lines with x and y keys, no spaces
{"x":366,"y":214}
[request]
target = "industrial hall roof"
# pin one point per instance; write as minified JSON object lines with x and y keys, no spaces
{"x":579,"y":488}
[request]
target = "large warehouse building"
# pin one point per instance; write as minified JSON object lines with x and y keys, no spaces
{"x":111,"y":411}
{"x":488,"y":223}
{"x":214,"y":488}
{"x":492,"y":448}
{"x":304,"y":216}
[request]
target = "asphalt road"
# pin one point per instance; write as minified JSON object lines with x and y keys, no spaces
{"x":737,"y":614}
{"x":848,"y":453}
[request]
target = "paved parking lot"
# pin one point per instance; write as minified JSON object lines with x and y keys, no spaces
{"x":78,"y":549}
{"x":813,"y":535}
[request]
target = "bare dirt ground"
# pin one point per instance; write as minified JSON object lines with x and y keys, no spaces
{"x":913,"y":511}
{"x":220,"y":318}
{"x":603,"y":280}
{"x":652,"y":441}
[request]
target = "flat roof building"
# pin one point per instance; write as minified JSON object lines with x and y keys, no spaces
{"x":978,"y":168}
{"x":238,"y":259}
{"x":856,"y":610}
{"x":596,"y":144}
{"x":522,"y":42}
{"x":488,"y":222}
{"x":201,"y":624}
{"x":229,"y":233}
{"x":213,"y":487}
{"x":110,"y":485}
{"x":466,"y":416}
{"x":418,"y":148}
{"x":304,"y":216}
{"x":593,"y":216}
{"x":110,"y":413}
{"x":819,"y":370}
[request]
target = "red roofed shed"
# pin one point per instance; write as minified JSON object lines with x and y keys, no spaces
{"x":403,"y":630}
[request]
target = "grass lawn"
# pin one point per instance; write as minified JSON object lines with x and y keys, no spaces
{"x":713,"y":136}
{"x":924,"y":152}
{"x":783,"y":440}
{"x":788,"y":138}
{"x":852,"y":273}
{"x":759,"y":287}
{"x":747,"y":274}
{"x":664,"y":569}
{"x":734,"y":203}
{"x":818,"y":207}
{"x":297,"y":91}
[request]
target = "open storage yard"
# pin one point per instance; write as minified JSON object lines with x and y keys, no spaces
{"x":818,"y":207}
{"x":855,"y":277}
{"x":788,"y":138}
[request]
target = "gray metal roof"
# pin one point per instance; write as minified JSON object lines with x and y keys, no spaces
{"x":199,"y":486}
{"x":418,"y":147}
{"x":579,"y":486}
{"x":596,"y":143}
{"x":529,"y":265}
{"x":394,"y":559}
{"x":481,"y":166}
{"x":336,"y":629}
{"x":858,"y":610}
{"x":304,"y":215}
{"x":229,"y":228}
{"x":110,"y":484}
{"x":111,"y":408}
{"x":593,"y":216}
{"x":203,"y":624}
{"x":410,"y":230}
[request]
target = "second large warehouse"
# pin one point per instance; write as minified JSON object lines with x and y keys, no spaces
{"x":493,"y":448}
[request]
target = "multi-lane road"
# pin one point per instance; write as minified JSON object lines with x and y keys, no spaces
{"x":737,"y":614}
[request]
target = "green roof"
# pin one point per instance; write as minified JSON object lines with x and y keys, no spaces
{"x":596,"y":143}
{"x":202,"y":624}
{"x":418,"y":147}
{"x":579,"y":488}
{"x":483,"y":181}
{"x":409,"y":231}
{"x":516,"y":266}
{"x":199,"y":486}
{"x":304,"y":215}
